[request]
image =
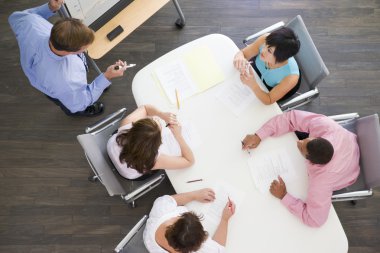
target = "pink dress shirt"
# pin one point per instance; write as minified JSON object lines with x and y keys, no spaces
{"x":340,"y":172}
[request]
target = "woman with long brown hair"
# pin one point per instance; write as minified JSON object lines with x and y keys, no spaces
{"x":135,"y":148}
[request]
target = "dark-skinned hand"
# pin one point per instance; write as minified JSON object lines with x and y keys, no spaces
{"x":278,"y":188}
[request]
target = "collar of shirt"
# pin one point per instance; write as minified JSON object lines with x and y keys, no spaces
{"x":50,"y":52}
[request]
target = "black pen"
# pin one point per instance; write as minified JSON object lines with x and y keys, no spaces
{"x":242,"y":143}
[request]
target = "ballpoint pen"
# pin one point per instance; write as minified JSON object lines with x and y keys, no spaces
{"x":126,"y":67}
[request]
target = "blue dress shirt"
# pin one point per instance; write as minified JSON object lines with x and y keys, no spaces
{"x":60,"y":77}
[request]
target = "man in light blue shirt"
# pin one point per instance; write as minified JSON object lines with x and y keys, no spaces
{"x":52,"y":58}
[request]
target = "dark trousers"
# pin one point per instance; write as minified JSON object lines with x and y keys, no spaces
{"x":64,"y":108}
{"x":287,"y":95}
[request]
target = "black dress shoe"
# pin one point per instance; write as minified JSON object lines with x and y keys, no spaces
{"x":95,"y":109}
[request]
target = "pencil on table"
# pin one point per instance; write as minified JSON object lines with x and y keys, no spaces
{"x":196,"y":180}
{"x":177,"y":97}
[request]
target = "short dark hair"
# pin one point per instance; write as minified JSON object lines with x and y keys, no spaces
{"x":186,"y":234}
{"x":285,"y":41}
{"x":140,"y":145}
{"x":70,"y":35}
{"x":320,"y":151}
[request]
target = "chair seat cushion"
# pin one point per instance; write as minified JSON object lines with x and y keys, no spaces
{"x":359,"y":185}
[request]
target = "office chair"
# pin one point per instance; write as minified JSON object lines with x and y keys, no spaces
{"x":367,"y":130}
{"x":133,"y":242}
{"x":94,"y":144}
{"x":313,"y":69}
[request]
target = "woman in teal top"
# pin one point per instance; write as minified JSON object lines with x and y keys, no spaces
{"x":272,"y":59}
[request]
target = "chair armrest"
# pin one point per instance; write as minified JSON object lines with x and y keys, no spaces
{"x":131,"y":233}
{"x":119,"y":114}
{"x":266,"y":30}
{"x":347,"y":116}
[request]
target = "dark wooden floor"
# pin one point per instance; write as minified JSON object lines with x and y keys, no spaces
{"x":46,"y":203}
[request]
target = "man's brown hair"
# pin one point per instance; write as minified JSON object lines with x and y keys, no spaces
{"x":70,"y":35}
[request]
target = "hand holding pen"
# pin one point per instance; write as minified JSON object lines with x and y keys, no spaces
{"x":116,"y":70}
{"x":123,"y":65}
{"x":240,"y":61}
{"x":229,"y":210}
{"x":242,"y":146}
{"x":169,"y":118}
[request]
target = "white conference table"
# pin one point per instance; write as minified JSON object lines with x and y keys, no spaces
{"x":261,"y":222}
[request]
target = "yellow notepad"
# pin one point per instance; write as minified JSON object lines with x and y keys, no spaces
{"x":193,"y":72}
{"x":203,"y":67}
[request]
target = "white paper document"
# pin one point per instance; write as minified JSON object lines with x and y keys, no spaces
{"x":236,"y":97}
{"x":212,"y":212}
{"x":170,"y":145}
{"x":175,"y":76}
{"x":266,"y":168}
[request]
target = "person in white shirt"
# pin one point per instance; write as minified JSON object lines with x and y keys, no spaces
{"x":135,"y":148}
{"x":172,"y":228}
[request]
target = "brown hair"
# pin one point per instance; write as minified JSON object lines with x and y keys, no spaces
{"x":186,"y":234}
{"x":70,"y":35}
{"x":140,"y":145}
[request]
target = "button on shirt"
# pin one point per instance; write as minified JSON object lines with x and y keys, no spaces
{"x":340,"y":172}
{"x":60,"y":77}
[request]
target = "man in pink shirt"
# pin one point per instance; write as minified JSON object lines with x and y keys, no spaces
{"x":332,"y":157}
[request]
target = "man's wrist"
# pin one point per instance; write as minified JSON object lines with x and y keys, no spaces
{"x":107,"y":76}
{"x":283,"y":196}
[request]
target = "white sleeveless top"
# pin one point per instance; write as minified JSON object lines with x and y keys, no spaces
{"x":165,"y":208}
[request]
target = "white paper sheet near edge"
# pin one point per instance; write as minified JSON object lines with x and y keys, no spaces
{"x":212,"y":212}
{"x":170,"y":145}
{"x":174,"y":75}
{"x":266,"y":168}
{"x":236,"y":97}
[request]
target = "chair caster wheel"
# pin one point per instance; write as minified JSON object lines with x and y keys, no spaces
{"x":132,"y":204}
{"x":179,"y":23}
{"x":353,"y":202}
{"x":92,"y":179}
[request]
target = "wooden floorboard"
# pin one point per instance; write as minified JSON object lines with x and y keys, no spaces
{"x":46,"y":202}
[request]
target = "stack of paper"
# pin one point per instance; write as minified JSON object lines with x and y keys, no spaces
{"x":266,"y":168}
{"x":170,"y":145}
{"x":194,"y":72}
{"x":213,"y":211}
{"x":236,"y":97}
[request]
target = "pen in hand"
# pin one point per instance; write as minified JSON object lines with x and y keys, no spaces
{"x":229,"y":202}
{"x":126,"y":67}
{"x":242,"y":144}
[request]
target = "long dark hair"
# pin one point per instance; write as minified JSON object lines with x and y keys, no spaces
{"x":140,"y":145}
